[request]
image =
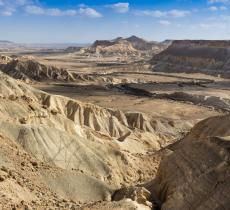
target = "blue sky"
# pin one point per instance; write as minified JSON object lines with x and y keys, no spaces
{"x":56,"y":21}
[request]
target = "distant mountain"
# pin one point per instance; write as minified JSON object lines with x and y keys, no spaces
{"x":4,"y":44}
{"x":142,"y":44}
{"x":110,"y":47}
{"x":137,"y":43}
{"x":167,"y":42}
{"x":7,"y":44}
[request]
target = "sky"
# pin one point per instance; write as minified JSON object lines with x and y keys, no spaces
{"x":83,"y":21}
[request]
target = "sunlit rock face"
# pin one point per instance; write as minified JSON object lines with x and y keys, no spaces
{"x":195,"y":173}
{"x":209,"y":57}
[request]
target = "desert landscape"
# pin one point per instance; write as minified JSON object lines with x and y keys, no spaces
{"x":119,"y":124}
{"x":114,"y":105}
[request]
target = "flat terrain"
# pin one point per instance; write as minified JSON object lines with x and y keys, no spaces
{"x":103,"y":90}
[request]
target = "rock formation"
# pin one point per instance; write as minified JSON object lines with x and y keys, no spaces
{"x":113,"y":48}
{"x":141,"y":44}
{"x":195,"y":173}
{"x":58,"y":152}
{"x":130,"y":46}
{"x":209,"y":57}
{"x":28,"y":69}
{"x":5,"y":59}
{"x":78,"y":145}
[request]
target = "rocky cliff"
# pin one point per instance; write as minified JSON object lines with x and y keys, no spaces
{"x":209,"y":57}
{"x":131,"y":45}
{"x":117,"y":47}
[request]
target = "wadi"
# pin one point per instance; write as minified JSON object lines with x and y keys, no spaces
{"x":119,"y":124}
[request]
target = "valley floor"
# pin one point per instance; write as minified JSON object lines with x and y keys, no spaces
{"x":105,"y":132}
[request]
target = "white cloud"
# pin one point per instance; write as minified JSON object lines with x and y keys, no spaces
{"x":119,"y":7}
{"x":178,"y":13}
{"x":89,"y":12}
{"x":7,"y":12}
{"x":218,"y":1}
{"x":13,"y":3}
{"x":165,"y":22}
{"x":34,"y":10}
{"x":55,"y":12}
{"x":152,"y":13}
{"x":8,"y":7}
{"x":215,"y":8}
{"x":158,"y":14}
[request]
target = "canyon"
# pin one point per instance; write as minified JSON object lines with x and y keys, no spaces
{"x":121,"y":124}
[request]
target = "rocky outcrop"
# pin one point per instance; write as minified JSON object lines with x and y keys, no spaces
{"x":138,"y":194}
{"x":26,"y":69}
{"x":5,"y":59}
{"x":209,"y":57}
{"x":141,"y":44}
{"x":65,"y":133}
{"x":70,"y":147}
{"x":195,"y":174}
{"x":105,"y":47}
{"x":130,"y":46}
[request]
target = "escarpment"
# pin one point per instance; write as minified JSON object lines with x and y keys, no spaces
{"x":125,"y":46}
{"x":192,"y":56}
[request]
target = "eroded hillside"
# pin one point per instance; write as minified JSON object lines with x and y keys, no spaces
{"x":195,"y":173}
{"x":192,"y":56}
{"x":105,"y":132}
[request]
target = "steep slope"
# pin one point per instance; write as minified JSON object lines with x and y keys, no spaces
{"x":104,"y":144}
{"x":141,"y":44}
{"x":210,"y":57}
{"x":58,"y":152}
{"x":196,"y":172}
{"x":105,"y":47}
{"x":26,"y":182}
{"x":27,"y":69}
{"x":131,"y":46}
